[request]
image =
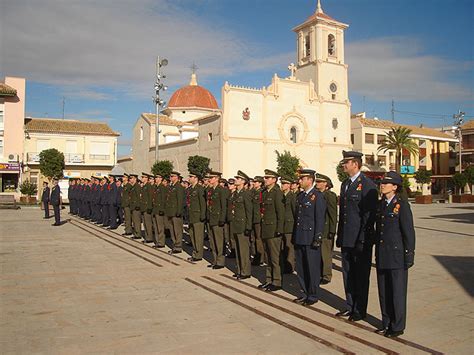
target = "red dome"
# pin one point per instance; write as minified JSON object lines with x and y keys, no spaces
{"x":193,"y":96}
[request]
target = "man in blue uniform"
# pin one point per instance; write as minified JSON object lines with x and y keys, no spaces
{"x":45,"y":199}
{"x":394,"y":253}
{"x":355,"y":233}
{"x":56,"y":202}
{"x":307,"y":237}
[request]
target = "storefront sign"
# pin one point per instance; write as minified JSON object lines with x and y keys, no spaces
{"x":14,"y":167}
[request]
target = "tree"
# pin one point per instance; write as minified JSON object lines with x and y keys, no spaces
{"x":469,"y":172}
{"x":341,"y":175}
{"x":163,"y":168}
{"x":51,"y":163}
{"x":398,"y":139}
{"x":423,"y":176}
{"x":460,"y":181}
{"x":288,"y":164}
{"x":198,"y":165}
{"x":28,"y":188}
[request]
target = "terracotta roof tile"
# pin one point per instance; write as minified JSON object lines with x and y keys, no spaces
{"x":6,"y":90}
{"x":193,"y":96}
{"x":468,"y":125}
{"x":426,"y":131}
{"x":165,"y":120}
{"x":49,"y":125}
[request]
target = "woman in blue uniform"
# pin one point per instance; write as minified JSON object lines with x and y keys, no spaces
{"x":394,"y":253}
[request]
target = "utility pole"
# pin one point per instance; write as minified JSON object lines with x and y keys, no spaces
{"x":393,"y":111}
{"x":159,"y":103}
{"x":458,"y":122}
{"x":64,"y":104}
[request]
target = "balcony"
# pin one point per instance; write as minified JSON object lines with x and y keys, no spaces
{"x":32,"y":157}
{"x":99,"y":156}
{"x":69,"y":158}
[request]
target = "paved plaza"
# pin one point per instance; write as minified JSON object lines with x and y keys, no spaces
{"x":80,"y":289}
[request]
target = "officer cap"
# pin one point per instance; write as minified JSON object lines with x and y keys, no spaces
{"x":212,"y":173}
{"x":158,"y":176}
{"x":120,"y":179}
{"x":295,"y":181}
{"x":321,"y":177}
{"x":111,"y":176}
{"x":133,"y":175}
{"x":306,"y":172}
{"x":242,"y":175}
{"x":105,"y":178}
{"x":193,"y":175}
{"x":125,"y":175}
{"x":258,"y":179}
{"x":351,"y":155}
{"x":55,"y":179}
{"x":285,"y":180}
{"x":251,"y":180}
{"x":175,"y":173}
{"x":231,"y":181}
{"x":45,"y":182}
{"x":87,"y":179}
{"x":147,"y":175}
{"x":270,"y":173}
{"x":392,"y":177}
{"x":222,"y":180}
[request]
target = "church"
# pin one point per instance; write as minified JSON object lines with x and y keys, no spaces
{"x":306,"y":113}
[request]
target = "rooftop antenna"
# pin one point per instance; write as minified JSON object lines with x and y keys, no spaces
{"x":393,"y":111}
{"x":64,"y":104}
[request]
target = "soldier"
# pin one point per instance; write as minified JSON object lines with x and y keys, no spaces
{"x":355,"y":233}
{"x":227,"y":241}
{"x":158,"y":202}
{"x":94,"y":198}
{"x":146,"y":207}
{"x":105,"y":202}
{"x":197,"y":216}
{"x":87,"y":199}
{"x":273,"y":217}
{"x":45,"y":199}
{"x":56,"y":202}
{"x":127,"y":212}
{"x":310,"y":214}
{"x":258,"y":251}
{"x":174,"y":207}
{"x":113,"y":206}
{"x":394,"y":254}
{"x":135,"y":196}
{"x":119,"y":183}
{"x":295,"y":187}
{"x":324,"y":185}
{"x":290,"y":211}
{"x":100,"y":200}
{"x":80,"y":189}
{"x":216,"y":215}
{"x":240,"y":220}
{"x":70,"y":194}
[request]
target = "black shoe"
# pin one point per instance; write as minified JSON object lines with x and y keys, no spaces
{"x":112,"y":228}
{"x":56,"y":224}
{"x":160,"y":246}
{"x":242,"y":277}
{"x":134,"y":237}
{"x":236,"y":276}
{"x":125,"y":234}
{"x":210,"y":265}
{"x":325,"y":281}
{"x":193,"y":259}
{"x":176,"y":251}
{"x":308,"y":303}
{"x":272,"y":288}
{"x":381,"y":330}
{"x":393,"y":334}
{"x":345,"y":313}
{"x":300,"y":300}
{"x":355,"y":317}
{"x":217,"y":267}
{"x":264,"y":285}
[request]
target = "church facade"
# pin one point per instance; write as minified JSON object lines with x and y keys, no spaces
{"x":306,"y":113}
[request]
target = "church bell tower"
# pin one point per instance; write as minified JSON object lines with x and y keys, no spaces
{"x":320,"y":53}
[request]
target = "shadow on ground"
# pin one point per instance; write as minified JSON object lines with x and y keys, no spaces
{"x":461,"y":268}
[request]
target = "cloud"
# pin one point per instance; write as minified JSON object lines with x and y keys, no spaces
{"x":84,"y":44}
{"x":395,"y":68}
{"x":87,"y":94}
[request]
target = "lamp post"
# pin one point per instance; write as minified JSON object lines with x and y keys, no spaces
{"x":458,"y":121}
{"x":159,"y":103}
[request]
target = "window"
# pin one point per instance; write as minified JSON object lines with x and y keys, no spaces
{"x":1,"y":119}
{"x":352,"y":138}
{"x":333,"y":96}
{"x":293,"y":135}
{"x":42,"y":144}
{"x":369,"y":138}
{"x":335,"y":139}
{"x":141,"y":133}
{"x":369,"y":159}
{"x":380,"y":138}
{"x":99,"y":150}
{"x":307,"y":46}
{"x":71,"y":147}
{"x":331,"y":45}
{"x":382,"y":160}
{"x":209,"y":137}
{"x":1,"y":147}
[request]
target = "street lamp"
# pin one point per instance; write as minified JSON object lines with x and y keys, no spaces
{"x":458,"y":122}
{"x":159,"y":103}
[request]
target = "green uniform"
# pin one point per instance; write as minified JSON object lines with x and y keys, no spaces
{"x":158,"y":202}
{"x":197,"y":216}
{"x":135,"y":196}
{"x":288,"y":248}
{"x":216,"y":215}
{"x":146,"y":208}
{"x":273,"y":216}
{"x":240,"y":220}
{"x":330,"y":228}
{"x":228,"y":240}
{"x":174,"y":206}
{"x":125,"y":204}
{"x":259,"y":251}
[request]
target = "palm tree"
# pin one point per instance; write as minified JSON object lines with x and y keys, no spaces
{"x":398,"y":139}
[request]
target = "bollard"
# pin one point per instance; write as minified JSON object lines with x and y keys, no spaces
{"x":450,"y":198}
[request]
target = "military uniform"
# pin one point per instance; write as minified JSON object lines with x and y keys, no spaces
{"x":240,"y":223}
{"x":394,"y":254}
{"x":135,"y":196}
{"x":197,"y":216}
{"x":56,"y":202}
{"x":216,"y":216}
{"x":258,"y":249}
{"x":273,"y":217}
{"x":310,"y":215}
{"x":159,"y":195}
{"x":146,"y":208}
{"x":127,"y":212}
{"x":288,"y":226}
{"x":45,"y":201}
{"x":174,"y":207}
{"x":355,"y":233}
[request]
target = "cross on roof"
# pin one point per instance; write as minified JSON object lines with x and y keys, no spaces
{"x":194,"y":67}
{"x":292,"y":69}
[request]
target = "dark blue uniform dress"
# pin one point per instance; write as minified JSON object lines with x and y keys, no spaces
{"x":394,"y":249}
{"x":355,"y":233}
{"x":310,"y":214}
{"x":55,"y":201}
{"x":106,"y":198}
{"x":69,"y":197}
{"x":119,"y":205}
{"x":113,"y":207}
{"x":45,"y":201}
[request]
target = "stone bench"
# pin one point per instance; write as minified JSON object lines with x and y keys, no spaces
{"x":8,"y":202}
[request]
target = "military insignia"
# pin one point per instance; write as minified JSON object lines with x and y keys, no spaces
{"x":359,"y":187}
{"x":396,"y":208}
{"x":313,"y":197}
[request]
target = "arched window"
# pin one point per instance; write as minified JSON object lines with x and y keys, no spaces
{"x":141,"y":133}
{"x":331,"y":45}
{"x":293,"y":134}
{"x":307,"y":46}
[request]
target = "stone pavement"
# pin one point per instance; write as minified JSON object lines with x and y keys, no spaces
{"x":74,"y":289}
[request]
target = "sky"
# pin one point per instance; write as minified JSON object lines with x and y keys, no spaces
{"x":100,"y":55}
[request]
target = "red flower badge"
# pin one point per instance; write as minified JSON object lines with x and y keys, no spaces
{"x":396,"y":208}
{"x":359,"y":187}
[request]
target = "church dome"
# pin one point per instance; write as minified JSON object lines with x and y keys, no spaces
{"x":193,"y":95}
